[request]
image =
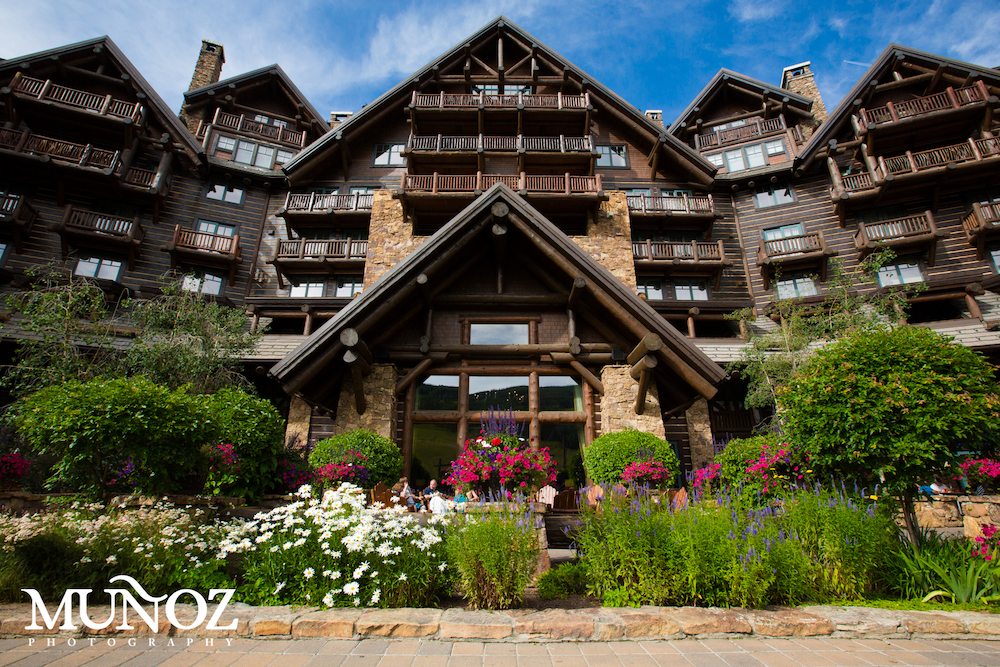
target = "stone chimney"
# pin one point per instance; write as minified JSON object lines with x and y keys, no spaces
{"x":206,"y":71}
{"x":799,"y":79}
{"x":338,"y":117}
{"x":655,"y":115}
{"x":209,"y":65}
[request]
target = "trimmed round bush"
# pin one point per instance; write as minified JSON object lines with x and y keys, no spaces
{"x":740,"y":453}
{"x":385,"y":461}
{"x":607,"y":457}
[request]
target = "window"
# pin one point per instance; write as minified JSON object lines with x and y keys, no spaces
{"x":348,"y":286}
{"x":98,"y":267}
{"x":735,"y":161}
{"x":202,"y":282}
{"x":226,"y":193}
{"x":265,"y":157}
{"x":309,"y":287}
{"x":773,"y":194}
{"x":390,"y":155}
{"x":776,"y":147}
{"x":225,"y":144}
{"x":244,"y":152}
{"x":217,"y":228}
{"x":615,"y":156}
{"x":260,"y":118}
{"x":691,"y":291}
{"x":900,"y":273}
{"x":498,"y":334}
{"x":362,"y":190}
{"x":783,"y":232}
{"x":284,"y":157}
{"x":994,"y":257}
{"x":651,"y":288}
{"x":3,"y":251}
{"x":792,"y":287}
{"x":494,"y":89}
{"x":750,"y":157}
{"x":501,"y":392}
{"x":755,"y":156}
{"x":729,"y":125}
{"x":715,"y":159}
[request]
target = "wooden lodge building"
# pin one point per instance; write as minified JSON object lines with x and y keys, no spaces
{"x":501,"y":231}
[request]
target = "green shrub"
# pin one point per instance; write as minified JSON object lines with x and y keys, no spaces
{"x":494,"y":556}
{"x":562,"y":581}
{"x":121,"y":434}
{"x":256,"y":432}
{"x":385,"y":462}
{"x":606,"y":458}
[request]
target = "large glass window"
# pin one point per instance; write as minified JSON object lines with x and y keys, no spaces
{"x":390,"y":155}
{"x":348,"y":286}
{"x":264,"y":158}
{"x":755,"y":156}
{"x":499,"y":392}
{"x":438,"y":392}
{"x":435,"y":446}
{"x":792,"y":287}
{"x":564,"y":442}
{"x":244,"y":152}
{"x":694,"y":290}
{"x":615,"y":156}
{"x":98,"y":267}
{"x":900,"y":273}
{"x":309,"y":287}
{"x":515,"y":333}
{"x":559,"y":393}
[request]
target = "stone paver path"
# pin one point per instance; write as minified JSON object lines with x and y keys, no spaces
{"x":239,"y":652}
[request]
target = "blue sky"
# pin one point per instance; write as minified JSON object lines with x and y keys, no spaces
{"x":657,"y":55}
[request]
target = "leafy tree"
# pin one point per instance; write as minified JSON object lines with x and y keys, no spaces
{"x":772,"y":358}
{"x":891,"y":407}
{"x":607,"y":457}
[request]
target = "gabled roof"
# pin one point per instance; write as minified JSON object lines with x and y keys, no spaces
{"x":402,"y":91}
{"x":163,"y":114}
{"x":726,"y":77}
{"x":879,"y":69}
{"x":295,"y":95}
{"x":379,"y":306}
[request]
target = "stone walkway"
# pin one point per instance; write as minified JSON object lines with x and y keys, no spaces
{"x":237,"y":652}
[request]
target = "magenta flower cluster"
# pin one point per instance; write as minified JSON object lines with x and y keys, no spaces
{"x":647,"y":473}
{"x":982,"y":472}
{"x":703,"y":477}
{"x":13,"y":466}
{"x":506,"y":461}
{"x":352,"y":468}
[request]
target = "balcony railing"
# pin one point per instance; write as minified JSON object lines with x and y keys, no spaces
{"x":313,"y":202}
{"x":322,"y":249}
{"x":858,"y":182}
{"x":508,"y":143}
{"x":520,"y":100}
{"x":642,"y":204}
{"x":112,"y":226}
{"x":84,"y":155}
{"x":454,"y":183}
{"x":240,"y":123}
{"x":898,"y":232}
{"x":791,"y":247}
{"x":142,"y":178}
{"x":949,"y":99}
{"x":981,"y":222}
{"x":973,"y":150}
{"x":16,"y":211}
{"x":688,"y":251}
{"x":191,"y":240}
{"x":102,"y":105}
{"x":755,"y":127}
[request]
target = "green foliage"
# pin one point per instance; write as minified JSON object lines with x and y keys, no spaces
{"x":820,"y":547}
{"x":82,"y":546}
{"x":494,"y":556}
{"x":256,"y":431}
{"x":562,"y":581}
{"x":606,"y":458}
{"x":773,"y":358}
{"x":127,"y":433}
{"x":385,"y":462}
{"x":892,"y":406}
{"x":953,"y":574}
{"x":186,"y":339}
{"x":69,"y":334}
{"x":739,"y":454}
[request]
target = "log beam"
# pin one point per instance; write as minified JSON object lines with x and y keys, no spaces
{"x":650,"y":343}
{"x":591,"y":379}
{"x":351,"y":339}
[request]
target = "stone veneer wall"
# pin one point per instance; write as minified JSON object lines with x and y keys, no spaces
{"x":805,"y":85}
{"x":968,"y":512}
{"x":700,"y":434}
{"x":380,"y":415}
{"x":619,"y":397}
{"x":299,"y":418}
{"x":609,"y":239}
{"x":390,"y":236}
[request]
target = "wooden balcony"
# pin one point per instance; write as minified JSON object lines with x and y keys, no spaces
{"x":318,"y":256}
{"x":66,"y":152}
{"x":94,"y":229}
{"x":948,"y":100}
{"x":449,"y":184}
{"x":702,"y":206}
{"x":755,"y":127}
{"x":188,"y":246}
{"x":971,"y":151}
{"x":18,"y":217}
{"x":449,"y":101}
{"x":71,"y":98}
{"x":518,"y":143}
{"x":915,"y":231}
{"x":240,"y":124}
{"x":304,"y":208}
{"x":792,"y":253}
{"x":693,"y":258}
{"x":981,"y":224}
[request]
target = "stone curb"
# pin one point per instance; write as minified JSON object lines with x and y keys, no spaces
{"x":519,"y":625}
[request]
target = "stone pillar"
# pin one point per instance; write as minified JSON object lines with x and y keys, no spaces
{"x":700,"y":434}
{"x":390,"y":237}
{"x":297,"y":430}
{"x":207,"y":70}
{"x":617,"y":404}
{"x":380,"y":397}
{"x":799,"y":79}
{"x":609,"y":239}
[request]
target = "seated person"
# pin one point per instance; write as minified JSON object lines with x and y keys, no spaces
{"x":431,"y":489}
{"x":405,"y":493}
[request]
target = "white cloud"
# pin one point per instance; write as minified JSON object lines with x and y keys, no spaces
{"x":755,"y":10}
